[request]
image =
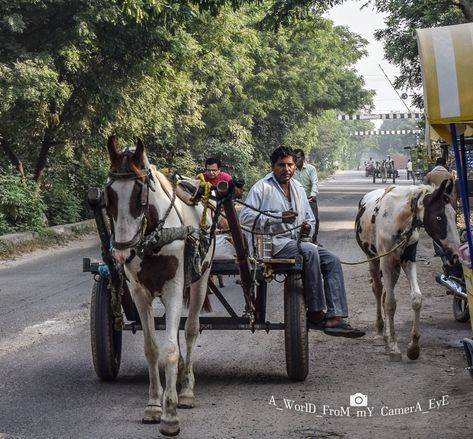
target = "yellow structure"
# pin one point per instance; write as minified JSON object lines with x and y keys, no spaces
{"x":447,"y":68}
{"x":446,"y":55}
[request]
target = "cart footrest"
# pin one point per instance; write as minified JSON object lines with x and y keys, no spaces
{"x":279,"y":266}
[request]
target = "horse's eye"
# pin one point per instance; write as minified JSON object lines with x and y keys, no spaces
{"x":439,"y":218}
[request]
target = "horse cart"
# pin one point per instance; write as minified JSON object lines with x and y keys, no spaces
{"x":385,"y":171}
{"x":113,"y":311}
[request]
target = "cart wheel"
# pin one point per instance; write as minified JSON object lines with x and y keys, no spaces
{"x":106,"y":341}
{"x":295,"y":329}
{"x":468,"y":346}
{"x":460,"y":310}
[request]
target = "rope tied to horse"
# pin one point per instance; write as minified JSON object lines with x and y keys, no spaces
{"x":205,"y":198}
{"x":378,"y":256}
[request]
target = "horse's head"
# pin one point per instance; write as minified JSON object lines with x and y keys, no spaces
{"x":127,"y":193}
{"x":440,"y":220}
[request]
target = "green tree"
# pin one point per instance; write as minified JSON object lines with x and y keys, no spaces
{"x":191,"y":78}
{"x":403,"y":17}
{"x":395,"y":143}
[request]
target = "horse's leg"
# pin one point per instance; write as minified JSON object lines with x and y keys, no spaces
{"x":391,"y":268}
{"x":172,"y":299}
{"x":377,"y":287}
{"x":409,"y":268}
{"x":143,"y":303}
{"x":197,"y":296}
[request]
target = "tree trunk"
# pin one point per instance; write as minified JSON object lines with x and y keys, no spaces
{"x":12,"y":156}
{"x":466,"y":9}
{"x":47,"y":143}
{"x":43,"y":154}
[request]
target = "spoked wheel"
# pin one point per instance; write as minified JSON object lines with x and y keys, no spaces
{"x":295,"y":329}
{"x":460,"y":309}
{"x":106,"y":341}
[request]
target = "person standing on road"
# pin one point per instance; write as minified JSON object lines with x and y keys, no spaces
{"x":306,"y":175}
{"x":410,"y":174}
{"x":285,"y":198}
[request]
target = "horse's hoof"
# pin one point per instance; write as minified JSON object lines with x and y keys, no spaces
{"x":169,"y":428}
{"x":413,"y":352}
{"x":186,"y":402}
{"x":152,"y":414}
{"x":395,"y":356}
{"x":378,"y":340}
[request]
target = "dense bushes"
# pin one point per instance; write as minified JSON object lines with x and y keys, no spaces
{"x":21,"y":205}
{"x":62,"y":206}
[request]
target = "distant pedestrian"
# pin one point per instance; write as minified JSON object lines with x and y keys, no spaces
{"x":306,"y":175}
{"x":410,"y":173}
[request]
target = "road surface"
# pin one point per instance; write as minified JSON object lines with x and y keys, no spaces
{"x":48,"y":388}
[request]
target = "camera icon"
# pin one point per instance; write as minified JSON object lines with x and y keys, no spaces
{"x":358,"y":400}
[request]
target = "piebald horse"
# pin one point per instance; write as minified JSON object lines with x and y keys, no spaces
{"x":139,"y":200}
{"x":390,"y":218}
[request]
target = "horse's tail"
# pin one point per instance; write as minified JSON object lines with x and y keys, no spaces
{"x":206,"y":306}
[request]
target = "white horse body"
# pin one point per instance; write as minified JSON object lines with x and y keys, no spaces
{"x":159,"y":275}
{"x":389,"y":219}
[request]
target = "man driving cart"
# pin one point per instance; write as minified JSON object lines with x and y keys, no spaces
{"x":282,"y":196}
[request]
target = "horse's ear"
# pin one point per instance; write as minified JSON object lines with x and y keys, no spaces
{"x":449,"y":186}
{"x":441,"y":191}
{"x":139,"y":151}
{"x":112,"y":148}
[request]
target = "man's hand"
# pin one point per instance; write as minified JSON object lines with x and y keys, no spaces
{"x":305,"y":229}
{"x":289,"y":216}
{"x":313,"y":198}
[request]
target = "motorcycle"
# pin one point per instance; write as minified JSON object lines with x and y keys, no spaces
{"x":453,"y":280}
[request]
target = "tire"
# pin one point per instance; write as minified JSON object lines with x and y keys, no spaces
{"x":468,"y":346}
{"x":460,"y":310}
{"x":105,"y":340}
{"x":295,"y":329}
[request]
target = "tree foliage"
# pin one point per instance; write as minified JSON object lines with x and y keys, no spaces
{"x":403,"y":17}
{"x":191,"y":78}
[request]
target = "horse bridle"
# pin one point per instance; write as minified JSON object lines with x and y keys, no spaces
{"x":144,"y":203}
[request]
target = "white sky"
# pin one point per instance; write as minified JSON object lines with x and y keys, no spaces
{"x":364,"y":22}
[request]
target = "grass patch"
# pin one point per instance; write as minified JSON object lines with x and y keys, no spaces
{"x":43,"y":240}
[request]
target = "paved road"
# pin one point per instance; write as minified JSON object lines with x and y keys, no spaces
{"x":48,"y":388}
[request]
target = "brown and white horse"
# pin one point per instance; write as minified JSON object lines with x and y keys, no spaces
{"x":138,"y":200}
{"x":388,"y":217}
